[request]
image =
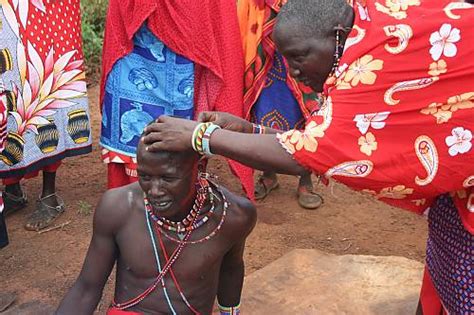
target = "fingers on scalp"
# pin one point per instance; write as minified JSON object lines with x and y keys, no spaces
{"x":162,"y":118}
{"x":153,"y":147}
{"x":150,"y":138}
{"x":207,"y":116}
{"x":155,"y":127}
{"x":201,"y":116}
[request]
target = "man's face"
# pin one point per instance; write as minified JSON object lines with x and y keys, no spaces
{"x":168,"y":181}
{"x":310,"y":59}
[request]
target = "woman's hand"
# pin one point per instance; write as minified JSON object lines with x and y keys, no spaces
{"x":169,"y":134}
{"x":227,"y":121}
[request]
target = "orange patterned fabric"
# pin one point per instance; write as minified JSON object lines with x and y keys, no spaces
{"x":398,"y":119}
{"x":257,"y":19}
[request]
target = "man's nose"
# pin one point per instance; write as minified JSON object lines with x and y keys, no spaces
{"x":156,"y":188}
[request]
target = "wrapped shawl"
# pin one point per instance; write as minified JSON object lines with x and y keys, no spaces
{"x":398,"y":119}
{"x":206,"y":32}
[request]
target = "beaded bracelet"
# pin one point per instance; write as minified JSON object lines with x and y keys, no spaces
{"x":229,"y":310}
{"x":198,"y":134}
{"x":206,"y":147}
{"x":258,"y":129}
{"x":195,"y":132}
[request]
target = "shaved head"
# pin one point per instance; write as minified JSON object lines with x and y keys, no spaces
{"x":315,"y":18}
{"x":180,"y":159}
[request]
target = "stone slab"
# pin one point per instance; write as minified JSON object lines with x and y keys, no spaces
{"x":307,"y":281}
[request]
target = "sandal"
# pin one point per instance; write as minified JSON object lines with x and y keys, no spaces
{"x":44,"y":214}
{"x":261,"y":188}
{"x":308,"y":199}
{"x":12,"y":203}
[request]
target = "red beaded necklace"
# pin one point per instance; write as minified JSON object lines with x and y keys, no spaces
{"x":178,"y":287}
{"x":225,"y":206}
{"x":202,"y":180}
{"x":152,"y":287}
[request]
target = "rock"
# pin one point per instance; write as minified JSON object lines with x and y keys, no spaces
{"x":312,"y":282}
{"x":30,"y":308}
{"x":6,"y":300}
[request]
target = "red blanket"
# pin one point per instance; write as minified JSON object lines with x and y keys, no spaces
{"x":206,"y":32}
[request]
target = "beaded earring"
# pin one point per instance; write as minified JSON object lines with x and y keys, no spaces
{"x":338,"y":50}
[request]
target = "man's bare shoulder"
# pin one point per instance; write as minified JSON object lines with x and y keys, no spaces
{"x":115,"y":207}
{"x":241,"y":213}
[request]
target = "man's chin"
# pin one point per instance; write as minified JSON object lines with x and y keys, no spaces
{"x":162,"y":210}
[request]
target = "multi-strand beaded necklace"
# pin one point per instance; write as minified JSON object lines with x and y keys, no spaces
{"x":184,"y":230}
{"x":189,"y":223}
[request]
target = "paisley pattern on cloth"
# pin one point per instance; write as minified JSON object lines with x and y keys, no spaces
{"x":402,"y":99}
{"x":151,"y":81}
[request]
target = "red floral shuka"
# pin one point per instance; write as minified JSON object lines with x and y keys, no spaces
{"x":398,"y":119}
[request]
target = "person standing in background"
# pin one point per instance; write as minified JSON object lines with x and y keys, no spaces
{"x":44,"y":88}
{"x":275,"y":100}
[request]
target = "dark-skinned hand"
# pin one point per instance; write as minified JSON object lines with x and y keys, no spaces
{"x":226,"y":121}
{"x":169,"y":134}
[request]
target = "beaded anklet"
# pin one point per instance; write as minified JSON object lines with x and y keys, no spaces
{"x":229,"y":310}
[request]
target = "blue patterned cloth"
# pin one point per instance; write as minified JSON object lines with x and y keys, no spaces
{"x":149,"y":82}
{"x":450,"y":257}
{"x":276,"y":106}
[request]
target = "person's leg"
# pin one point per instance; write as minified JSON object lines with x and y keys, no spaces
{"x":14,"y":197}
{"x":49,"y":205}
{"x":3,"y":227}
{"x":13,"y":187}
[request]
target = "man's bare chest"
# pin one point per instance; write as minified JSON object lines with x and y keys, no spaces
{"x":144,"y":255}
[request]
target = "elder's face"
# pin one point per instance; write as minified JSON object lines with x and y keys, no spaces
{"x":310,"y":59}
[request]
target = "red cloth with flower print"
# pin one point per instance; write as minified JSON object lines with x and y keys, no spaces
{"x":399,"y":115}
{"x":206,"y":32}
{"x":51,"y":25}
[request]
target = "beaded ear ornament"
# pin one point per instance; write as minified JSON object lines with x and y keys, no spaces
{"x":339,"y":47}
{"x":338,"y":51}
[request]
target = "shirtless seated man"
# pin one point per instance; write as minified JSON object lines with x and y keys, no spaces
{"x":178,"y":240}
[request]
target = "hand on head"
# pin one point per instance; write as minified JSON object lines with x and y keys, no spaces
{"x":226,"y":121}
{"x":169,"y":134}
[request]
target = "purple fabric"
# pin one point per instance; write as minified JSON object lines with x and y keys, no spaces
{"x":276,"y":106}
{"x":450,"y":257}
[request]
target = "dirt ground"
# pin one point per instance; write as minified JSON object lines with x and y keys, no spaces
{"x":43,"y":266}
